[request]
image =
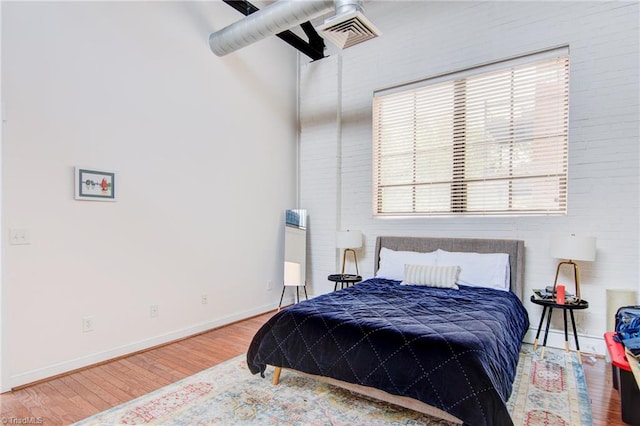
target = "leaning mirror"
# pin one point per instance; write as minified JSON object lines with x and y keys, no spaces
{"x":295,"y":252}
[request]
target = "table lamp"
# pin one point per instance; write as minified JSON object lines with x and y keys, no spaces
{"x":349,"y":241}
{"x":571,"y":247}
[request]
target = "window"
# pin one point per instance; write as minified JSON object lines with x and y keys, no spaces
{"x":491,"y":140}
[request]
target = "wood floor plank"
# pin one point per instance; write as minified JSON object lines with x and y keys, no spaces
{"x":100,"y":387}
{"x":176,"y":365}
{"x":11,"y":406}
{"x":63,"y":407}
{"x":36,"y":400}
{"x":104,"y":376}
{"x":77,"y":383}
{"x":70,"y":398}
{"x":122,"y":378}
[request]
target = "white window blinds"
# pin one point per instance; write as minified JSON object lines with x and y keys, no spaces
{"x":488,"y":141}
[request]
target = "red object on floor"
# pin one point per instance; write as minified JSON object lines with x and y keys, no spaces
{"x":616,"y":351}
{"x":623,"y":381}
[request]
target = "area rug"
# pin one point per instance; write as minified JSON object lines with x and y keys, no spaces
{"x":550,"y":392}
{"x":546,"y":392}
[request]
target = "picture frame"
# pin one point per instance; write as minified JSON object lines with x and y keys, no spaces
{"x":95,"y":185}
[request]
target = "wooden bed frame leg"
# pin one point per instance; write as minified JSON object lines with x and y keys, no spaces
{"x":276,"y":375}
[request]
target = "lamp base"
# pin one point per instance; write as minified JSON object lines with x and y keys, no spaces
{"x":344,"y":259}
{"x":576,"y":278}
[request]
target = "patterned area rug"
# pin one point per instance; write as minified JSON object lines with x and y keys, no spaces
{"x":549,"y":392}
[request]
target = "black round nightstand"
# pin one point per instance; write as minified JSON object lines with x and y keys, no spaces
{"x":344,"y":279}
{"x":548,"y":305}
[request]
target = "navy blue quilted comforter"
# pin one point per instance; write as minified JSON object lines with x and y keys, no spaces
{"x":456,"y":350}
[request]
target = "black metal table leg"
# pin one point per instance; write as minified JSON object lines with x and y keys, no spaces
{"x":566,"y":333}
{"x":535,"y":342}
{"x":546,"y":332}
{"x":281,"y":297}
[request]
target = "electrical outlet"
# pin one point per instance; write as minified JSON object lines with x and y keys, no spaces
{"x":269,"y":285}
{"x":154,"y":311}
{"x":205,"y":299}
{"x":87,"y":324}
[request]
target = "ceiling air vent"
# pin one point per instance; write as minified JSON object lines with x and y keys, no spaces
{"x":348,"y":29}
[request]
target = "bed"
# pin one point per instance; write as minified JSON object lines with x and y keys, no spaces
{"x":446,"y":350}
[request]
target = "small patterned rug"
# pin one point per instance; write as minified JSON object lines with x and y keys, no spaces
{"x":551,"y":392}
{"x":548,"y":392}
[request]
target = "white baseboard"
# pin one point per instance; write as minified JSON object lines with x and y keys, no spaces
{"x":27,"y":377}
{"x":588,"y":344}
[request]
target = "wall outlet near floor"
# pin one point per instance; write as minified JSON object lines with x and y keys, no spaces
{"x":205,"y":299}
{"x":154,"y":311}
{"x":87,"y":324}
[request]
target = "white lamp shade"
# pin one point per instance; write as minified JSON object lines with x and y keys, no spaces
{"x":292,"y":273}
{"x":573,"y":248}
{"x":348,"y":239}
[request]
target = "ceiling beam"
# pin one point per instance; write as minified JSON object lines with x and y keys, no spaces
{"x":314,"y":48}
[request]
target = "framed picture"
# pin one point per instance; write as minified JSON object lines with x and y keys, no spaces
{"x":96,"y":185}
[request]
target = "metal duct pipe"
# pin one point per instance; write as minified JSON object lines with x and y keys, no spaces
{"x":273,"y":19}
{"x":347,"y":6}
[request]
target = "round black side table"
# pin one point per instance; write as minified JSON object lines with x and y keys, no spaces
{"x":548,"y":305}
{"x":344,"y":280}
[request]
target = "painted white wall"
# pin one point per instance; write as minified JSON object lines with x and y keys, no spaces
{"x":205,"y":154}
{"x":422,"y":39}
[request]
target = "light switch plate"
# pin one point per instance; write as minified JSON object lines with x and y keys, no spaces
{"x":19,"y":236}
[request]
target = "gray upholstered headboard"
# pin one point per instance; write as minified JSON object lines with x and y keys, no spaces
{"x":515,"y":249}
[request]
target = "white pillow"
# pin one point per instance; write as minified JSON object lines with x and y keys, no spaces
{"x":479,"y":269}
{"x":432,"y":276}
{"x":392,"y":262}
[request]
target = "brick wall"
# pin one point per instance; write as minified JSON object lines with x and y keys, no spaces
{"x":424,"y":39}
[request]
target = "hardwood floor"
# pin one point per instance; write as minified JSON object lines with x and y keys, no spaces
{"x":66,"y":399}
{"x":605,"y":400}
{"x":73,"y":397}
